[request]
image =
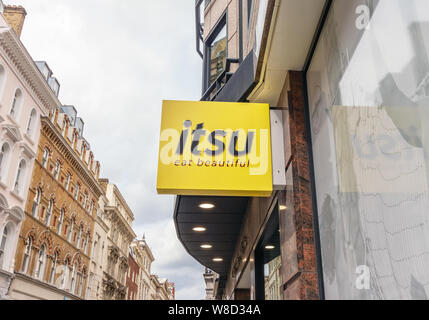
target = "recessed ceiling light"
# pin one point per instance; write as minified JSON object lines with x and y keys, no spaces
{"x":206,"y":206}
{"x":199,"y":229}
{"x":270,"y":247}
{"x":206,"y":246}
{"x":217,"y":259}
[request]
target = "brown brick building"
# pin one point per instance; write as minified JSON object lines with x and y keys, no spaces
{"x":54,"y":247}
{"x":133,"y":279}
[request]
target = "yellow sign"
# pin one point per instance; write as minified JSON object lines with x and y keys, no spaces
{"x":215,"y":149}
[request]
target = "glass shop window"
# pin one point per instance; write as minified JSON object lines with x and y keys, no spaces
{"x":268,"y":276}
{"x":368,"y":88}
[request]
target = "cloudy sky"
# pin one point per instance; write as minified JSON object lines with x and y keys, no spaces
{"x":116,"y":61}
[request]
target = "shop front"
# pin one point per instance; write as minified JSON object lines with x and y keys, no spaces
{"x":349,"y":81}
{"x":368,"y":89}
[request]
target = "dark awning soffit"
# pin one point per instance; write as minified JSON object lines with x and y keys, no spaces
{"x":223,"y":224}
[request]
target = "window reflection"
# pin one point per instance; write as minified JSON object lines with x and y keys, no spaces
{"x":217,"y":51}
{"x":273,"y":283}
{"x":369,"y":99}
{"x":268,"y":262}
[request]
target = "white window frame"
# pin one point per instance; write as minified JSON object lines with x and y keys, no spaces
{"x":4,"y":243}
{"x":85,"y":200}
{"x":27,"y":255}
{"x":73,"y":279}
{"x":20,"y":176}
{"x":53,"y":268}
{"x":4,"y":161}
{"x":16,"y":104}
{"x":57,"y":170}
{"x":79,"y":235}
{"x":49,"y":212}
{"x":70,"y":235}
{"x":41,"y":263}
{"x":67,"y":185}
{"x":31,"y":123}
{"x":45,"y":158}
{"x":61,"y":221}
{"x":77,"y":191}
{"x":36,"y":202}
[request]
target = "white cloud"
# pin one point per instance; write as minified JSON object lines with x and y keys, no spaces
{"x":116,"y":61}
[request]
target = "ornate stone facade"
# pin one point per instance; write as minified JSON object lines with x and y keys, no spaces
{"x":24,"y":97}
{"x":149,"y":286}
{"x":119,"y":218}
{"x":144,"y":259}
{"x":99,"y":254}
{"x":54,"y":246}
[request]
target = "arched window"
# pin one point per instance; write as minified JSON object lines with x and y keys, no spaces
{"x":85,"y":245}
{"x":66,"y":274}
{"x":3,"y":244}
{"x":32,"y":123}
{"x":69,"y":236}
{"x":79,"y":237}
{"x":53,"y":268}
{"x":49,"y":212}
{"x":74,"y":278}
{"x":2,"y":79}
{"x":89,"y":284}
{"x":68,"y":178}
{"x":76,"y":194}
{"x":81,"y":277}
{"x":36,"y":202}
{"x":20,"y":176}
{"x":27,"y":255}
{"x":61,"y":221}
{"x":16,"y":104}
{"x":85,"y":200}
{"x":57,"y":170}
{"x":41,"y":263}
{"x":4,"y":158}
{"x":45,"y":158}
{"x":91,"y":206}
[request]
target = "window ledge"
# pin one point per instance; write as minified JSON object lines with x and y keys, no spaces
{"x":13,"y":120}
{"x":17,"y":196}
{"x":29,"y":139}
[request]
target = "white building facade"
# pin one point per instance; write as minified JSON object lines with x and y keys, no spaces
{"x":99,"y":254}
{"x":25,"y":96}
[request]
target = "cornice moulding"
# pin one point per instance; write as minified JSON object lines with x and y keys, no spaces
{"x":25,"y":65}
{"x":87,"y":175}
{"x":28,"y":151}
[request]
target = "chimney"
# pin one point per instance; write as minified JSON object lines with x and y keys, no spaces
{"x":15,"y":16}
